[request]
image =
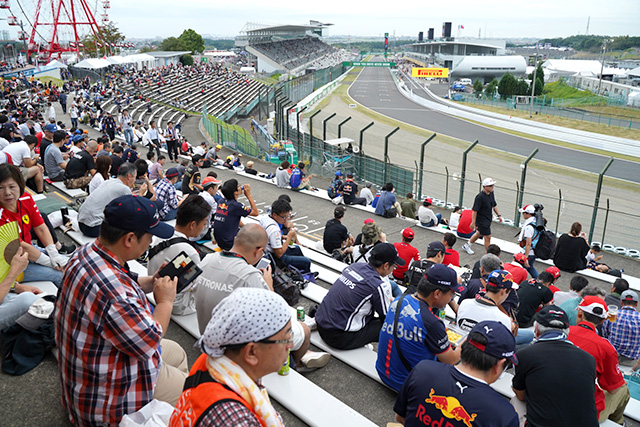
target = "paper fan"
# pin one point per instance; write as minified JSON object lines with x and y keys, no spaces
{"x":9,"y":244}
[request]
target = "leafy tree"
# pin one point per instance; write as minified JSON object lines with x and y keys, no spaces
{"x":173,"y":44}
{"x":186,"y":59}
{"x":507,"y":86}
{"x":219,"y":44}
{"x":539,"y":80}
{"x":145,"y":49}
{"x":477,"y":86}
{"x":192,"y":40}
{"x":522,"y":87}
{"x":108,"y":34}
{"x":491,"y":88}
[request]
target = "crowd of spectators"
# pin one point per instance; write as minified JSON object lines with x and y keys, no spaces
{"x":310,"y":52}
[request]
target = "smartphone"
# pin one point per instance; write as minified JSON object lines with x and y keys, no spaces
{"x":65,"y":215}
{"x":263,"y":263}
{"x":183,"y":268}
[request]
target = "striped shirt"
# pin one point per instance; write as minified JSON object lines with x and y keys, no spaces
{"x":107,"y":339}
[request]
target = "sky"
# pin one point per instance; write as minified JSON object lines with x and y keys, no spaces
{"x":493,"y":18}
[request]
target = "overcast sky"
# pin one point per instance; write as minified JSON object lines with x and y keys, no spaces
{"x":495,"y":18}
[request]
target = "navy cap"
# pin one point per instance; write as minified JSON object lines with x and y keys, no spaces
{"x":552,"y":316}
{"x":51,"y":127}
{"x":501,"y":279}
{"x":440,"y":274}
{"x":350,"y":175}
{"x":77,"y":138}
{"x":386,"y":252}
{"x":436,"y":246}
{"x":171,"y":172}
{"x":500,"y":341}
{"x":133,"y":213}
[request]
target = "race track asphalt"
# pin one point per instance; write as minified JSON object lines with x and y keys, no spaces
{"x":375,"y":89}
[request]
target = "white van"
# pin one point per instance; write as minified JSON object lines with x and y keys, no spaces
{"x":466,"y":82}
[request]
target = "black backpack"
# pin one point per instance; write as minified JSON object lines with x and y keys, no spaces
{"x":416,"y":271}
{"x":546,"y":244}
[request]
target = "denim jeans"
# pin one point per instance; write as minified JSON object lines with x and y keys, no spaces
{"x":14,"y":306}
{"x":532,"y":270}
{"x":128,"y":136}
{"x":293,"y":256}
{"x":431,"y":223}
{"x":170,"y":215}
{"x":40,"y":273}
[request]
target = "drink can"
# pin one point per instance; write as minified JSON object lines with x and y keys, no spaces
{"x":284,"y":370}
{"x":300,"y":311}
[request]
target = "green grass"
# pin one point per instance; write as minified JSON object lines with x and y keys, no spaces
{"x":53,"y":80}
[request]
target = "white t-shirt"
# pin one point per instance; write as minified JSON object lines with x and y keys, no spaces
{"x":18,"y":151}
{"x":426,"y":215}
{"x":274,"y":233}
{"x":528,"y":231}
{"x":472,"y":311}
{"x":95,"y":182}
{"x":454,"y":220}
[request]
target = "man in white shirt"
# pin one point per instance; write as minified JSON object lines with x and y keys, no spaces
{"x":528,"y":237}
{"x":578,"y":283}
{"x":21,"y":156}
{"x":192,"y":218}
{"x":367,"y":194}
{"x":51,"y":114}
{"x":153,"y":138}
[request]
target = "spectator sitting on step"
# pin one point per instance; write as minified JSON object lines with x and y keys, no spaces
{"x":492,"y":249}
{"x":454,"y":218}
{"x":192,"y":178}
{"x":617,"y":288}
{"x":623,"y":333}
{"x":229,"y":212}
{"x":335,"y":235}
{"x":249,"y":168}
{"x":570,"y":306}
{"x":103,"y":164}
{"x":191,"y":219}
{"x":464,"y":229}
{"x":409,"y":207}
{"x":517,"y":268}
{"x":166,"y":193}
{"x":426,"y":216}
{"x":451,"y":257}
{"x":571,"y":250}
{"x":15,"y":297}
{"x":116,"y":160}
{"x":299,"y":180}
{"x":488,"y":263}
{"x":349,"y":190}
{"x":367,"y":194}
{"x":131,"y":154}
{"x":200,"y":149}
{"x":282,"y":175}
{"x":237,"y":160}
{"x":81,"y":167}
{"x":387,"y":201}
{"x":156,"y":172}
{"x":577,"y":284}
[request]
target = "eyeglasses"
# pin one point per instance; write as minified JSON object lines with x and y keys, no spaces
{"x":289,"y":341}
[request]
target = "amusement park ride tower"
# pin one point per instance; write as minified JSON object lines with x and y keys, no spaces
{"x":53,"y":27}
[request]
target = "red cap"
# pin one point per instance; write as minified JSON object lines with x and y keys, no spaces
{"x":369,"y":221}
{"x":408,"y":233}
{"x":594,"y":305}
{"x":428,"y":200}
{"x":555,"y":271}
{"x":520,"y":257}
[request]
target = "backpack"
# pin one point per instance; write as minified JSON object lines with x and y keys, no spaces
{"x":416,"y":271}
{"x":546,"y":244}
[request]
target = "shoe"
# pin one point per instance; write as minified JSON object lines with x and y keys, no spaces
{"x":467,"y":248}
{"x":67,"y":249}
{"x":369,"y":346}
{"x":313,"y":359}
{"x":310,"y":322}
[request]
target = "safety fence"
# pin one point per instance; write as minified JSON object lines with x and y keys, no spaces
{"x":232,"y":136}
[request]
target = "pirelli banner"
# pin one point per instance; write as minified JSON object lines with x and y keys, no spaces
{"x":430,"y":72}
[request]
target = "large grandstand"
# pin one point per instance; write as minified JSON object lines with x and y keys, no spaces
{"x":290,"y":49}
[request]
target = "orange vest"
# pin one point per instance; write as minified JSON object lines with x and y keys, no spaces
{"x":195,"y":401}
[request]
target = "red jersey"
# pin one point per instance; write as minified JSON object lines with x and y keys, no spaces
{"x":408,"y":253}
{"x":451,"y":256}
{"x":554,"y":288}
{"x":465,"y":221}
{"x":27,"y":215}
{"x":608,"y":374}
{"x":518,"y":272}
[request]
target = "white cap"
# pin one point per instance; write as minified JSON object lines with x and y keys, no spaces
{"x":527,"y":209}
{"x":488,"y":182}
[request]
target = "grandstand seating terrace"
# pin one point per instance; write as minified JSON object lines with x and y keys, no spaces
{"x":310,"y":52}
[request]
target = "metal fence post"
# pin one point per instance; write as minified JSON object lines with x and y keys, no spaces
{"x":606,"y":219}
{"x":446,"y":187}
{"x":298,"y":127}
{"x":324,"y":126}
{"x":523,"y":177}
{"x":559,"y":207}
{"x":463,"y":172}
{"x":386,"y":153}
{"x":285,"y":123}
{"x":311,"y":128}
{"x":421,"y":171}
{"x":362,"y":135}
{"x":340,"y":126}
{"x":597,"y":201}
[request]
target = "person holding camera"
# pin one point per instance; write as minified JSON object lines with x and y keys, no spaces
{"x":528,"y":238}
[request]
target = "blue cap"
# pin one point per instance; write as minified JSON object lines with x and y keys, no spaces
{"x":501,"y":279}
{"x":77,"y":138}
{"x":338,"y":173}
{"x":135,"y":213}
{"x":51,"y":127}
{"x":440,"y":274}
{"x":500,"y":341}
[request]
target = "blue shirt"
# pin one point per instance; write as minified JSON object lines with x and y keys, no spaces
{"x":353,"y":299}
{"x":435,"y":394}
{"x":296,"y":178}
{"x":226,"y":221}
{"x":624,"y":333}
{"x":421,"y":336}
{"x":387,"y":199}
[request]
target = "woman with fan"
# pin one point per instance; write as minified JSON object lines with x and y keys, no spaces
{"x":18,"y":206}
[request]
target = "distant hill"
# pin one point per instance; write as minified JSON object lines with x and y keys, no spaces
{"x":593,"y":43}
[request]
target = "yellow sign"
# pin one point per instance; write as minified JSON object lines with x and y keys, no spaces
{"x":430,"y":72}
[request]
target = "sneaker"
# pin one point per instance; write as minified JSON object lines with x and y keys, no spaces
{"x":67,"y":249}
{"x":310,"y":322}
{"x":467,"y":248}
{"x":369,"y":346}
{"x":313,"y":359}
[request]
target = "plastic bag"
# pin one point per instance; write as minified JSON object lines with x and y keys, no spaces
{"x":153,"y":414}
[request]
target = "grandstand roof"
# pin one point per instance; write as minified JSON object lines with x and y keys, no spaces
{"x":167,"y":53}
{"x":279,"y":29}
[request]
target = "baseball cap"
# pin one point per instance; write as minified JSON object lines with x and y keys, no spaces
{"x":520,"y":257}
{"x":501,"y":279}
{"x":553,"y":316}
{"x":171,"y":172}
{"x":209,"y":181}
{"x":339,"y":211}
{"x":629,"y":295}
{"x":133,"y":213}
{"x":594,"y":305}
{"x":338,"y":173}
{"x":369,"y":221}
{"x":440,"y":274}
{"x":436,"y":246}
{"x":219,"y":147}
{"x":51,"y":127}
{"x":386,"y":252}
{"x":77,"y":138}
{"x":500,"y":341}
{"x":555,"y":271}
{"x":487,"y":182}
{"x":350,"y":175}
{"x":38,"y":313}
{"x":428,"y":200}
{"x":408,"y":233}
{"x":527,"y":209}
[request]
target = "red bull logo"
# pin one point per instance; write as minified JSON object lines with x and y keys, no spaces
{"x":450,"y":408}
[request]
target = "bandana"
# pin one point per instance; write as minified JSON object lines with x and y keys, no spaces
{"x":246,"y":315}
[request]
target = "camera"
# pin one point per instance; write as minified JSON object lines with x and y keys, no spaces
{"x":540,"y":221}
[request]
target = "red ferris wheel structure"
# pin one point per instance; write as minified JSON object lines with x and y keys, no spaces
{"x":51,"y":28}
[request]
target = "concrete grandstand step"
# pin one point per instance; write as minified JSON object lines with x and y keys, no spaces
{"x":73,"y":193}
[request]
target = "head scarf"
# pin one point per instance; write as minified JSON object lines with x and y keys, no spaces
{"x":246,"y":315}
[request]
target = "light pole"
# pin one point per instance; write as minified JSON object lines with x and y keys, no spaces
{"x":533,"y":82}
{"x":604,"y":53}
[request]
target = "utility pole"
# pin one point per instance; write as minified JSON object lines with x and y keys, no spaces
{"x":604,"y":53}
{"x":533,"y":82}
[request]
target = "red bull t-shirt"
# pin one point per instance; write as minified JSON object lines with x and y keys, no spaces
{"x":226,"y":221}
{"x":439,"y":395}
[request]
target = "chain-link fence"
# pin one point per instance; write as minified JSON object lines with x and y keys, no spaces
{"x":232,"y":136}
